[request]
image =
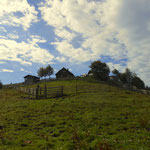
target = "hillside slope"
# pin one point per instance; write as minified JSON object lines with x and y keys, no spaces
{"x":109,"y":119}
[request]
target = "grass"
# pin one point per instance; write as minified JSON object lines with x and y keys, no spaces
{"x":111,"y":119}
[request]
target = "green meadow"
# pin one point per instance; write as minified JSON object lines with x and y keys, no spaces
{"x":108,"y":119}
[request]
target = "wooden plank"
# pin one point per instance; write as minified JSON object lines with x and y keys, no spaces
{"x":53,"y":90}
{"x":45,"y":91}
{"x":37,"y":92}
{"x":54,"y":87}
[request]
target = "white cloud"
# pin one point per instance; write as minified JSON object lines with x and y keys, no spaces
{"x":61,"y":59}
{"x":36,"y":39}
{"x":73,"y":54}
{"x":25,"y":53}
{"x":17,"y":13}
{"x":13,"y":36}
{"x":113,"y":66}
{"x":22,"y":69}
{"x":130,"y":19}
{"x":90,"y":29}
{"x":64,"y":34}
{"x":6,"y":70}
{"x":76,"y":19}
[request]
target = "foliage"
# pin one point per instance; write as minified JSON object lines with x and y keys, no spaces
{"x":49,"y":70}
{"x":44,"y":72}
{"x":100,"y":70}
{"x":123,"y":77}
{"x":130,"y":77}
{"x":41,"y":72}
{"x":1,"y":85}
{"x":115,"y":72}
{"x":136,"y":81}
{"x":126,"y":77}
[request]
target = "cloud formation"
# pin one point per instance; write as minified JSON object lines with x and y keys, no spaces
{"x":23,"y":70}
{"x":25,"y":53}
{"x":87,"y":30}
{"x":78,"y":26}
{"x":130,"y":20}
{"x":17,"y":13}
{"x":6,"y":70}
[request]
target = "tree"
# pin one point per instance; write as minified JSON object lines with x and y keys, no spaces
{"x":1,"y":85}
{"x":127,"y":76}
{"x":40,"y":72}
{"x":100,"y":70}
{"x":136,"y":81}
{"x":147,"y":87}
{"x":123,"y":77}
{"x":116,"y":73}
{"x":49,"y":70}
{"x":131,"y":78}
{"x":45,"y":72}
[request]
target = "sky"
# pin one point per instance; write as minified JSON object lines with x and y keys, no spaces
{"x":72,"y":34}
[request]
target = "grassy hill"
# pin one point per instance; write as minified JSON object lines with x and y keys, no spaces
{"x":109,"y":119}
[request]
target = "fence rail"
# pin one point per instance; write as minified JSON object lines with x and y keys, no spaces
{"x":41,"y":92}
{"x":57,"y":91}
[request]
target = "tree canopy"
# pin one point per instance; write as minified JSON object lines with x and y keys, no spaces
{"x":129,"y":77}
{"x":136,"y":81}
{"x":49,"y":70}
{"x":44,"y":72}
{"x":1,"y":85}
{"x":100,"y":70}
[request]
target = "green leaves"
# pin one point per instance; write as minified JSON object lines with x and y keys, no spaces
{"x":43,"y":72}
{"x":100,"y":70}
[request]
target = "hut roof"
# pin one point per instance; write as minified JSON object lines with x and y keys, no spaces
{"x":64,"y":70}
{"x":27,"y":76}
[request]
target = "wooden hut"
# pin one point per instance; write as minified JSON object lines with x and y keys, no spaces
{"x":64,"y":73}
{"x":29,"y":79}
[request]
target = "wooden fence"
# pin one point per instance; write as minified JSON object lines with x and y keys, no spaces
{"x":42,"y":92}
{"x":51,"y":92}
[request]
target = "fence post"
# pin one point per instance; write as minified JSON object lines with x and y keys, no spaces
{"x":37,"y":92}
{"x":40,"y":91}
{"x":45,"y":91}
{"x":29,"y":93}
{"x":62,"y":90}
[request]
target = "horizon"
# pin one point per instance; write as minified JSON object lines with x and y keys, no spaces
{"x":72,"y":34}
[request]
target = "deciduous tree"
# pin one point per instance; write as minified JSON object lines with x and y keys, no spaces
{"x":40,"y":72}
{"x":1,"y":85}
{"x":49,"y":70}
{"x":100,"y":70}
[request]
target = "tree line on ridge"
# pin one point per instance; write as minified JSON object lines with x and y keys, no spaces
{"x":101,"y":71}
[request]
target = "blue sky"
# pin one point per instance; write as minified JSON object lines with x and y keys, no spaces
{"x":72,"y":34}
